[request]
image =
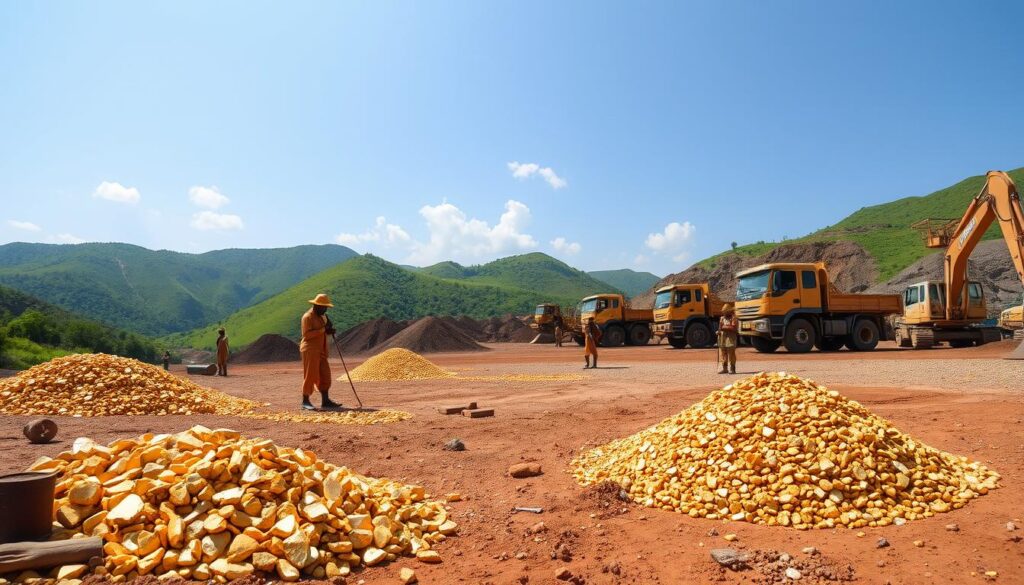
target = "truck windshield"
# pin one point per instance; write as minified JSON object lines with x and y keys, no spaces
{"x":588,"y":306}
{"x":663,"y":300}
{"x":752,"y":286}
{"x":544,"y":310}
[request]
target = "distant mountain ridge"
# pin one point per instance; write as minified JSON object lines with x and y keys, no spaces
{"x":534,"y":272}
{"x":628,"y":281}
{"x":367,"y":287}
{"x":156,"y":292}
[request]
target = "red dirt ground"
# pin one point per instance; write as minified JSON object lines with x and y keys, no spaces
{"x":610,"y":541}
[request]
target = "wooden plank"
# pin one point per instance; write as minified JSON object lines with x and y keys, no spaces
{"x":478,"y":412}
{"x":456,"y":409}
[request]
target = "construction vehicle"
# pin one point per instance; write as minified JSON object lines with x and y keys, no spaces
{"x":1011,"y":320}
{"x":954,"y":310}
{"x":544,"y":318}
{"x":686,"y":315}
{"x":619,"y":322}
{"x":796,"y":305}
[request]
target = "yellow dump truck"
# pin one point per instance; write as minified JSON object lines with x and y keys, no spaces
{"x":618,"y":321}
{"x":687,"y":315}
{"x":1012,"y":320}
{"x":796,"y":305}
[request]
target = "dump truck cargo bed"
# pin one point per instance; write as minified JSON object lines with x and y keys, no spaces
{"x":864,"y":303}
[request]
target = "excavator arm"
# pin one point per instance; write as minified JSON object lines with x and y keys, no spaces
{"x":997,"y":201}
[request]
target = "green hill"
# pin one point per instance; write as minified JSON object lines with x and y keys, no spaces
{"x":155,"y":292}
{"x":628,"y":281}
{"x":363,"y":288}
{"x":536,"y":272}
{"x":32,"y":331}
{"x":884,"y":230}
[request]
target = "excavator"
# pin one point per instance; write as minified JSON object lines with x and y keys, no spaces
{"x":953,"y":310}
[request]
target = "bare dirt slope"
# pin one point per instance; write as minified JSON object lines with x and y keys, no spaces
{"x":990,"y":264}
{"x":965,"y":401}
{"x":851,"y":267}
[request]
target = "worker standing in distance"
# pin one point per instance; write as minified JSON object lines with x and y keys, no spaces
{"x":222,"y":353}
{"x":558,"y":331}
{"x":316,"y":371}
{"x":591,"y":337}
{"x":167,"y":360}
{"x":728,"y":338}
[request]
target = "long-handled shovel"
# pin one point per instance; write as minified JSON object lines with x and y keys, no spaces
{"x":337,"y":345}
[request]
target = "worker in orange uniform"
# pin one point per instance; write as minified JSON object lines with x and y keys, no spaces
{"x":728,"y":339}
{"x":222,"y":353}
{"x":316,"y":372}
{"x":591,"y":337}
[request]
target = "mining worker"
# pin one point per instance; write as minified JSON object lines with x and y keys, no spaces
{"x":316,"y":372}
{"x":591,"y":337}
{"x":728,"y":339}
{"x":559,"y":332}
{"x":222,"y":353}
{"x":167,"y":360}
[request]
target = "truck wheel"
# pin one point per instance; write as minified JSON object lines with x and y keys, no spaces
{"x":800,"y":336}
{"x":698,"y":335}
{"x":614,"y":336}
{"x":864,"y":336}
{"x":831,"y":343}
{"x":580,"y":341}
{"x":677,"y":342}
{"x":639,"y":334}
{"x":765,"y":345}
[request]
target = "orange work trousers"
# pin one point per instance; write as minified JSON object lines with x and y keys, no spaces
{"x":316,"y":372}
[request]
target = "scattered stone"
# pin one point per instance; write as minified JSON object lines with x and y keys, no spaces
{"x":713,"y":532}
{"x":40,"y":430}
{"x":953,"y":527}
{"x":793,"y":574}
{"x":520,"y":555}
{"x":522,"y":470}
{"x":1011,"y":526}
{"x":918,"y":543}
{"x":407,"y":575}
{"x":882,"y":543}
{"x":563,"y":574}
{"x":731,"y":537}
{"x":537,"y":528}
{"x":785,"y":558}
{"x":454,"y":445}
{"x":991,"y":574}
{"x":729,"y":558}
{"x":810,"y":550}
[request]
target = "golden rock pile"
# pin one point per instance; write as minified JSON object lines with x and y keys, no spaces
{"x":397,"y":364}
{"x":776,"y":449}
{"x":210,"y":504}
{"x":100,"y":385}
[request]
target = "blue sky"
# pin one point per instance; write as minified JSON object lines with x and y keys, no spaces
{"x":647,"y":135}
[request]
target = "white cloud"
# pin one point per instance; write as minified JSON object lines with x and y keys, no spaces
{"x":209,"y":220}
{"x":67,"y":239}
{"x":454,"y":236}
{"x":673,"y":241}
{"x":27,"y":226}
{"x":640,"y":260}
{"x":523,"y":171}
{"x":117,"y":192}
{"x":385,"y":233}
{"x":564,"y":246}
{"x":208,"y":197}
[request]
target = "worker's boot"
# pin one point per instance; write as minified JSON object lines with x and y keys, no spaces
{"x":732,"y":369}
{"x":586,"y":367}
{"x":326,"y":402}
{"x":595,"y":363}
{"x":723,"y":370}
{"x":306,"y":404}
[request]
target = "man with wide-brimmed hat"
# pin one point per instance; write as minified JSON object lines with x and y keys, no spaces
{"x":728,"y":339}
{"x":316,"y":371}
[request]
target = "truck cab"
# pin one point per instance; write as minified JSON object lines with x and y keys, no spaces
{"x":795,"y":304}
{"x":544,"y":317}
{"x":925,"y":303}
{"x":618,"y":322}
{"x":686,"y":314}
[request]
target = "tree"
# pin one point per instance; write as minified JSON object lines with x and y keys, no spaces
{"x":734,"y":244}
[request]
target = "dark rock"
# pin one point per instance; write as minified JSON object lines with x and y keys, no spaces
{"x":454,"y":445}
{"x":729,"y":558}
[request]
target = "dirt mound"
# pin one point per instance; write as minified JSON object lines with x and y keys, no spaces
{"x":431,"y":334}
{"x":365,"y":336}
{"x":467,"y":325}
{"x":990,"y":264}
{"x":776,"y":449}
{"x":269,"y":348}
{"x":850,"y":266}
{"x":507,"y":329}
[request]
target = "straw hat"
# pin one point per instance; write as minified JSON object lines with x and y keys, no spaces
{"x":727,"y":308}
{"x":321,"y":300}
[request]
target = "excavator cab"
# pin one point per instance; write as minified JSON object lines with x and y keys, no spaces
{"x":925,"y":303}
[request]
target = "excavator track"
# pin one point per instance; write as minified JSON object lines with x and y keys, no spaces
{"x":922,"y":338}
